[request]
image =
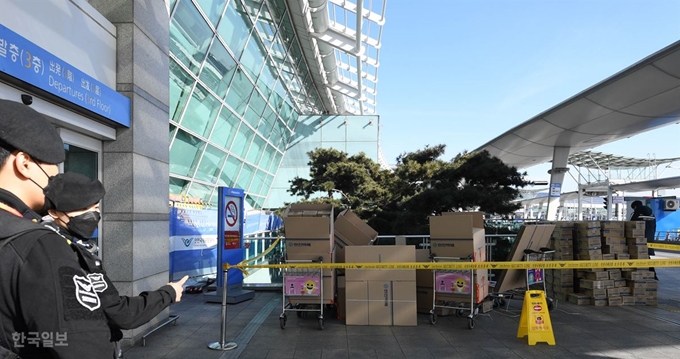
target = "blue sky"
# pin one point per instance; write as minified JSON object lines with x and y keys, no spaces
{"x":461,"y":72}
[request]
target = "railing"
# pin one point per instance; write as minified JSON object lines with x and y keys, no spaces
{"x":497,"y":248}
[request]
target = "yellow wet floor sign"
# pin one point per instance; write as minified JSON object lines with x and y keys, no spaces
{"x":535,"y":319}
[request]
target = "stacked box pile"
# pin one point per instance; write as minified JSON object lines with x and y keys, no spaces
{"x":560,"y":282}
{"x":613,"y":286}
{"x":641,"y":281}
{"x":310,"y":236}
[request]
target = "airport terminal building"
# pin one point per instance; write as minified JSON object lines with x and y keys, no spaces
{"x":244,"y":88}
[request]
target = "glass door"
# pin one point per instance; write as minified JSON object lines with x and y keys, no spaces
{"x":83,"y":155}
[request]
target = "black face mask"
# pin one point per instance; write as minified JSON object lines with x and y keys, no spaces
{"x":47,"y":205}
{"x":84,"y":225}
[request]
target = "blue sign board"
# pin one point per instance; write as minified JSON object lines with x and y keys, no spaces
{"x":230,"y":233}
{"x":30,"y":63}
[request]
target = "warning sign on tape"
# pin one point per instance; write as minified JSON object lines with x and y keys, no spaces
{"x":583,"y":264}
{"x":668,"y":247}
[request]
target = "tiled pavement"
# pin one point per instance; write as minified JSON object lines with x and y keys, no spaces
{"x":580,"y":332}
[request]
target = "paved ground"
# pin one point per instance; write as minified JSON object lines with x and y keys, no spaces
{"x":580,"y":332}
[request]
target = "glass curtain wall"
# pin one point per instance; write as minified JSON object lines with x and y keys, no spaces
{"x":238,"y":84}
{"x":350,"y":134}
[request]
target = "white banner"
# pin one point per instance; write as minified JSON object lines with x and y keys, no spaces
{"x":188,"y":243}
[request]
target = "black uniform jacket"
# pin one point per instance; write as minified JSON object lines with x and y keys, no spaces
{"x":45,"y":293}
{"x":123,"y":312}
{"x":52,"y":303}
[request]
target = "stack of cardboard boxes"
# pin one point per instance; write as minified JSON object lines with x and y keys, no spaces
{"x":612,"y":286}
{"x":459,"y":235}
{"x":560,"y":282}
{"x":309,"y":236}
{"x":349,"y":230}
{"x":641,"y":281}
{"x":380,"y":296}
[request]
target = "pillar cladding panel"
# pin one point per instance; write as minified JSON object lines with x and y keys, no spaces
{"x":151,"y":66}
{"x":150,"y":133}
{"x":150,"y":246}
{"x":150,"y":187}
{"x":118,"y":249}
{"x":149,"y":15}
{"x":118,"y":180}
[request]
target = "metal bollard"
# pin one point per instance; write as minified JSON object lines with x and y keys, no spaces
{"x":222,"y":344}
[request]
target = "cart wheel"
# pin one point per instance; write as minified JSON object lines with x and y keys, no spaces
{"x":551,"y":304}
{"x":471,"y":323}
{"x":321,"y":323}
{"x":433,"y":317}
{"x":460,"y":313}
{"x":282,"y":321}
{"x":502,"y":302}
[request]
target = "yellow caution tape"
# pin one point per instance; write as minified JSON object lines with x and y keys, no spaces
{"x":242,"y":265}
{"x":581,"y":264}
{"x":669,"y":247}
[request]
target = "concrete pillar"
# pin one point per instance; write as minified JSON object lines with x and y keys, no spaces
{"x":559,"y":168}
{"x":136,"y":165}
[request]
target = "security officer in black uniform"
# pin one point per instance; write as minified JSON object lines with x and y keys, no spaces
{"x":74,"y":200}
{"x":48,"y":306}
{"x":644,"y":213}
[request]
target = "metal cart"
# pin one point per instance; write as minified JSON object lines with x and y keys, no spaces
{"x":302,"y":283}
{"x":450,"y":285}
{"x":536,"y":277}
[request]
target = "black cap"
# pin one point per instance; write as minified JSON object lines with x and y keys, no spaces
{"x":635,"y":204}
{"x":24,"y":129}
{"x":72,"y":191}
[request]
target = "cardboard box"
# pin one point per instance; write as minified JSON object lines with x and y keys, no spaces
{"x":591,"y":242}
{"x":424,"y":299}
{"x":614,"y":249}
{"x":614,"y":240}
{"x":455,"y":225}
{"x":615,"y":301}
{"x":458,"y":234}
{"x":613,"y":232}
{"x":611,"y":224}
{"x":309,"y":229}
{"x":596,"y":284}
{"x":619,"y":283}
{"x":609,"y":257}
{"x":325,"y":258}
{"x":579,"y":299}
{"x":628,"y":299}
{"x":596,"y":293}
{"x":634,"y":241}
{"x":350,"y":230}
{"x":599,"y":302}
{"x":597,"y":275}
{"x":622,"y":256}
{"x":381,"y":302}
{"x":595,"y":254}
{"x":634,"y":229}
{"x":380,"y":254}
{"x":532,"y":237}
{"x":639,"y":256}
{"x":424,"y":277}
{"x":614,"y":274}
{"x":625,"y":290}
{"x":342,"y":297}
{"x":613,"y":292}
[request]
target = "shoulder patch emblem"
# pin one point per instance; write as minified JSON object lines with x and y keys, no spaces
{"x":85,"y":293}
{"x":98,"y":282}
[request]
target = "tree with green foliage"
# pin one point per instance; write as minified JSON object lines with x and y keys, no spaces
{"x":400,"y":201}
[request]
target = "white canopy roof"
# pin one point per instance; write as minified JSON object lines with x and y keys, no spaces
{"x":640,"y":98}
